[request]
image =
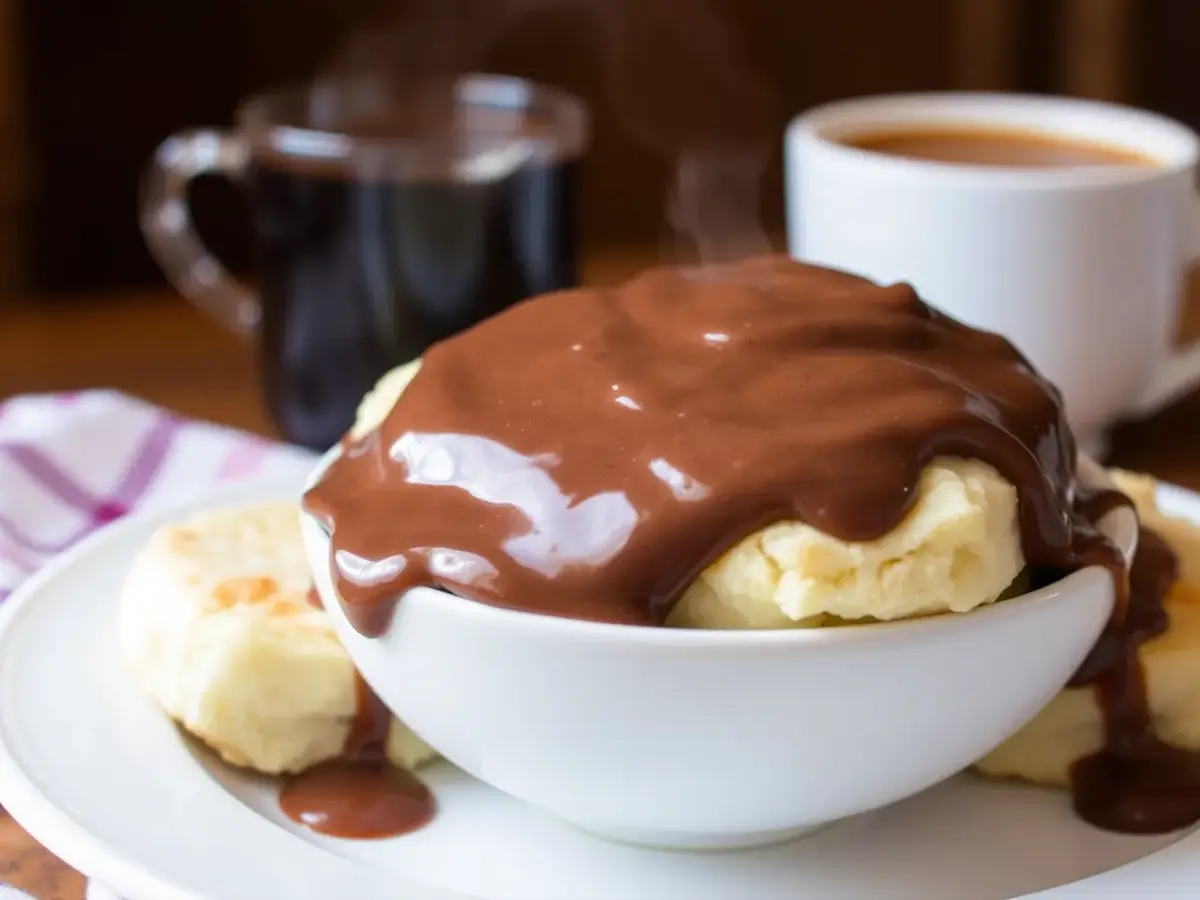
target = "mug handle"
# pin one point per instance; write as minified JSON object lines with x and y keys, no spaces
{"x":1180,"y":371}
{"x":166,"y":224}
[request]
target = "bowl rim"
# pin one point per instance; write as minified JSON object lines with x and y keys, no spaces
{"x":1120,"y":525}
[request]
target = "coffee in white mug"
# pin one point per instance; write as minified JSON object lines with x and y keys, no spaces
{"x":1065,"y":225}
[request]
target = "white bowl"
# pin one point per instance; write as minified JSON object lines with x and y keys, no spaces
{"x":707,"y":739}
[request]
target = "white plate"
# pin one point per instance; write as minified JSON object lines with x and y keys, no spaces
{"x":92,"y":769}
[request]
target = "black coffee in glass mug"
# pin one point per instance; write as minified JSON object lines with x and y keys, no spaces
{"x":386,"y":220}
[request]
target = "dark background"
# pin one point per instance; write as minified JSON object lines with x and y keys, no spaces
{"x":103,"y":81}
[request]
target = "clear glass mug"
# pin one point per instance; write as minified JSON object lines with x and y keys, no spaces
{"x":385,"y":220}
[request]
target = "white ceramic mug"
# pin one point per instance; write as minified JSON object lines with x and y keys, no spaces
{"x":1082,"y":268}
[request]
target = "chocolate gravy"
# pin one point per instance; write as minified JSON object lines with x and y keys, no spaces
{"x":1135,"y":783}
{"x":359,"y":794}
{"x":1155,"y":569}
{"x":586,"y":454}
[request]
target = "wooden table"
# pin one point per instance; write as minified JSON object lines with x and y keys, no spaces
{"x":159,"y":348}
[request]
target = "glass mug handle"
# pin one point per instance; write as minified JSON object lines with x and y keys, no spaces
{"x":166,"y":224}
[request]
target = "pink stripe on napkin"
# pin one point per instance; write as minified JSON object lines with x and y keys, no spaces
{"x":70,"y":463}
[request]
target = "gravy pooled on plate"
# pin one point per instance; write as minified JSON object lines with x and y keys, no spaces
{"x":360,"y":794}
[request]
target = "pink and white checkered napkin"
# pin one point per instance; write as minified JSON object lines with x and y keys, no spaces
{"x":70,"y":463}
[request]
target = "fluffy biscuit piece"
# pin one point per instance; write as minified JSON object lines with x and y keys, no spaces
{"x":1070,"y":726}
{"x":958,"y":548}
{"x":378,"y":402}
{"x":215,"y":625}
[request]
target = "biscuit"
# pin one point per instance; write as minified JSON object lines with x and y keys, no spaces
{"x":215,"y":625}
{"x":957,"y":549}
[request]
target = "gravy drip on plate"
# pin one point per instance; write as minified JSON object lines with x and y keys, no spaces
{"x":359,"y":794}
{"x":1136,"y":782}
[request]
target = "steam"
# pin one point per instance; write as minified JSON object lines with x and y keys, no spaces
{"x":675,"y":77}
{"x":713,"y":205}
{"x":682,"y":85}
{"x":433,"y":39}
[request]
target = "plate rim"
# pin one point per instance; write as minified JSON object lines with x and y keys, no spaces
{"x":1176,"y":866}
